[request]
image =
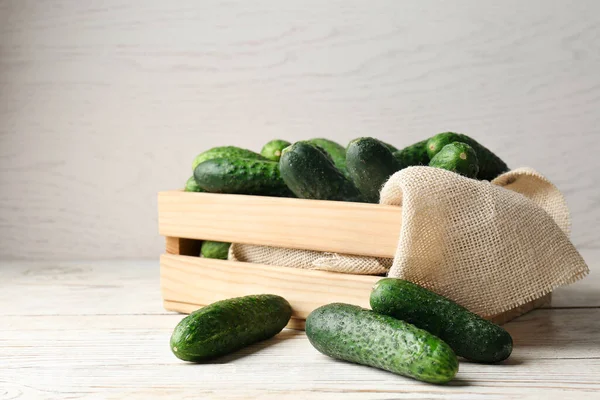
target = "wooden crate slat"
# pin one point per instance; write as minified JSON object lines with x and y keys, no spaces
{"x":193,"y":282}
{"x":188,"y":283}
{"x":341,"y":227}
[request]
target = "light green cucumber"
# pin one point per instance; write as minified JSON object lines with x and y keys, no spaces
{"x":272,"y":150}
{"x":217,"y":250}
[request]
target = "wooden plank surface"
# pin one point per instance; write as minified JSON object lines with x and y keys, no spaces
{"x":341,"y":227}
{"x":129,"y":357}
{"x":93,"y":96}
{"x":97,"y":330}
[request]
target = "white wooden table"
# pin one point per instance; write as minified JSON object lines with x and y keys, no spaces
{"x":82,"y":330}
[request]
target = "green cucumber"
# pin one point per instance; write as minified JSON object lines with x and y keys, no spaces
{"x":354,"y":334}
{"x":469,"y":335}
{"x":192,"y":186}
{"x":272,"y":150}
{"x":229,"y":325}
{"x":389,"y":146}
{"x":370,"y":163}
{"x":241,"y":176}
{"x":225,"y":152}
{"x":490,"y":165}
{"x":310,"y":174}
{"x":457,"y":157}
{"x":217,"y":250}
{"x":335,"y":150}
{"x":415,"y":154}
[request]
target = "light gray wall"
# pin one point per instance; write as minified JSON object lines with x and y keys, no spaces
{"x":103,"y":104}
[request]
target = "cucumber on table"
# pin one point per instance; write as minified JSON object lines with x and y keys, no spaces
{"x":310,"y":174}
{"x":335,"y":150}
{"x":231,"y":152}
{"x":469,"y":335}
{"x":490,"y":165}
{"x":370,"y":163}
{"x":217,"y":250}
{"x":457,"y":157}
{"x":354,"y":334}
{"x":192,"y":186}
{"x":229,"y":325}
{"x":241,"y":176}
{"x":415,"y":154}
{"x":272,"y":150}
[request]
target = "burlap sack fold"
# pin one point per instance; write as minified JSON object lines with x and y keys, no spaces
{"x":486,"y":247}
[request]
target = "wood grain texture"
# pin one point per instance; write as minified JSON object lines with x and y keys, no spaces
{"x":96,"y":330}
{"x":102,"y":106}
{"x":188,"y":283}
{"x":341,"y":227}
{"x":202,"y":281}
{"x":122,"y":357}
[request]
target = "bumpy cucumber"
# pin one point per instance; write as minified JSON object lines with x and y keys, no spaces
{"x":241,"y":176}
{"x":415,"y":154}
{"x":351,"y":333}
{"x":370,"y":163}
{"x":218,"y":250}
{"x":192,"y":186}
{"x":469,"y":335}
{"x":226,"y":326}
{"x":272,"y":150}
{"x":457,"y":157}
{"x":335,"y":150}
{"x":310,"y":174}
{"x":490,"y":165}
{"x":231,"y":152}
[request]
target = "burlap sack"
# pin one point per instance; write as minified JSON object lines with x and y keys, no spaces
{"x":486,"y":247}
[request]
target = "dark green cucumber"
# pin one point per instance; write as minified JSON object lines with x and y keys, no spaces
{"x":415,"y":154}
{"x":241,"y":176}
{"x":310,"y":174}
{"x":490,"y":165}
{"x":192,"y":186}
{"x":370,"y":163}
{"x":389,"y":146}
{"x":351,"y":333}
{"x":229,"y":325}
{"x":457,"y":157}
{"x":231,"y":152}
{"x":335,"y":150}
{"x":469,"y":335}
{"x":218,"y":250}
{"x":272,"y":150}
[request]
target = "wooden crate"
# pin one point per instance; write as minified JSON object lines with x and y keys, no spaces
{"x":189,"y":282}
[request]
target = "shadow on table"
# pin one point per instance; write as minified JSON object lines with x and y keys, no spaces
{"x":510,"y":362}
{"x":557,"y":328}
{"x":458,"y":382}
{"x":582,"y":294}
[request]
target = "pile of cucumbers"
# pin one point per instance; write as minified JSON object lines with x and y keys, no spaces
{"x":409,"y":331}
{"x":322,"y":169}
